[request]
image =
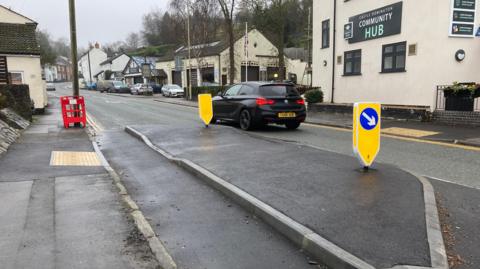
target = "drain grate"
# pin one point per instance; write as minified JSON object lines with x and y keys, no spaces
{"x":72,"y":158}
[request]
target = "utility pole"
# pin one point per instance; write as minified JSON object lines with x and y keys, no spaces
{"x":246,"y":52}
{"x":73,"y":45}
{"x":189,"y":73}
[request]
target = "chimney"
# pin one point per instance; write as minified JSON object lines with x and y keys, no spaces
{"x":97,"y":46}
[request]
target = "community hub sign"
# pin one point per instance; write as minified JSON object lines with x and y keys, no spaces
{"x":374,"y":24}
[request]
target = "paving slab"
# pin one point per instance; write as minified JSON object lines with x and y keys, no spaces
{"x":377,"y":216}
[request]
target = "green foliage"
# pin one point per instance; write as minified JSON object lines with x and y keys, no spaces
{"x":463,"y":89}
{"x":47,"y":53}
{"x":314,"y":96}
{"x":153,"y":51}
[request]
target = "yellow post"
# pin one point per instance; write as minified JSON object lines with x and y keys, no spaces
{"x":205,"y":108}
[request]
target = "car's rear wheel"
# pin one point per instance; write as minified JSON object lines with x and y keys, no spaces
{"x":292,"y":125}
{"x":246,"y":120}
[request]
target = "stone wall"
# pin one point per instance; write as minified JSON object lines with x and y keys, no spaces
{"x":465,"y":118}
{"x":17,"y":98}
{"x":15,"y":113}
{"x":395,"y":112}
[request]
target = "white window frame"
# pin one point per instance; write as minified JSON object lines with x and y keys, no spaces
{"x":18,"y":72}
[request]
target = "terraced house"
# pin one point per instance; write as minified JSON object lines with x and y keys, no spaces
{"x":395,"y":52}
{"x":20,"y":55}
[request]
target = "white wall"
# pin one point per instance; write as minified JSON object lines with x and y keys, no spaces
{"x":425,"y":23}
{"x":264,"y":48}
{"x":8,"y":16}
{"x":97,"y":56}
{"x":31,"y":69}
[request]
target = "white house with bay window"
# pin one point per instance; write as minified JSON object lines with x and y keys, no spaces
{"x":394,"y":52}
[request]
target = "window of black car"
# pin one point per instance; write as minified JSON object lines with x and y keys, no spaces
{"x":246,"y":90}
{"x":233,"y":91}
{"x":278,"y":90}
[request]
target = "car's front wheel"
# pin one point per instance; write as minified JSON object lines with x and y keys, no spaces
{"x":292,"y":125}
{"x":246,"y":120}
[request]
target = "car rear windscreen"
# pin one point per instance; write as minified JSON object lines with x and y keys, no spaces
{"x":278,"y":90}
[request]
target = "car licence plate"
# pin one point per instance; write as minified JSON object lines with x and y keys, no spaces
{"x":287,"y":115}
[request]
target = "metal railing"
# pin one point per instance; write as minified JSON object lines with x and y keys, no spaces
{"x":440,"y":101}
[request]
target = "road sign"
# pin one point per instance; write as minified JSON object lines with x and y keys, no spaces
{"x":205,"y":108}
{"x":366,"y":131}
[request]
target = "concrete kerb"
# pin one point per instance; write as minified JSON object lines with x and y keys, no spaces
{"x":308,"y":240}
{"x":326,"y":251}
{"x":158,"y":249}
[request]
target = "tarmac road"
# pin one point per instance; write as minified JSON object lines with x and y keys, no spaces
{"x":451,"y":164}
{"x":458,"y":166}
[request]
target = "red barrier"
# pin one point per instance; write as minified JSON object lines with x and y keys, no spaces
{"x":73,"y":110}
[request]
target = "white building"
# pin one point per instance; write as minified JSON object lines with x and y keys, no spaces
{"x":89,"y":63}
{"x":116,"y":65}
{"x":210,"y":62}
{"x":20,"y":55}
{"x":394,"y":52}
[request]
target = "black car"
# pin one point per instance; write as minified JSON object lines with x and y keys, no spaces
{"x":253,"y":104}
{"x":157,"y":88}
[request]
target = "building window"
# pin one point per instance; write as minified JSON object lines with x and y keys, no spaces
{"x":325,"y":34}
{"x":393,"y":57}
{"x":16,"y":78}
{"x":352,"y":63}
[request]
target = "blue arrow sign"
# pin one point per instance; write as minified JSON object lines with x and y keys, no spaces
{"x":369,"y":119}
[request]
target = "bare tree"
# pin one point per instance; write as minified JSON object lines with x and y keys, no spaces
{"x":228,"y":9}
{"x":133,"y":41}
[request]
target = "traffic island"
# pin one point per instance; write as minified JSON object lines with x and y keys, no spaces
{"x":320,"y":200}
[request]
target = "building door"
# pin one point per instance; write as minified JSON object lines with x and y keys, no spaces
{"x":3,"y":70}
{"x":194,"y":78}
{"x":177,"y":78}
{"x":253,"y":73}
{"x":224,"y":80}
{"x":274,"y":71}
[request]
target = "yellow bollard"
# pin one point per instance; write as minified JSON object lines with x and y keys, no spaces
{"x":205,"y":108}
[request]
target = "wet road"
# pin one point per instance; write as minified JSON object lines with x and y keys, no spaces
{"x":450,"y":164}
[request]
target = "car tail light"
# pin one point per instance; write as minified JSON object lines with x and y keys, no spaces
{"x":301,"y":102}
{"x":262,"y":101}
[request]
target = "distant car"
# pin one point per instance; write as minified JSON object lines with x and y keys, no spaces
{"x":113,"y":86}
{"x":172,"y":90}
{"x":253,"y":104}
{"x":157,"y":88}
{"x":50,"y":87}
{"x":92,"y":86}
{"x":141,"y":89}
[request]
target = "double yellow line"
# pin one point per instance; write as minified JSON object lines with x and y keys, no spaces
{"x":97,"y":127}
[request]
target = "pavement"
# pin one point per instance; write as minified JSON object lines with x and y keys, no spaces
{"x":63,"y":216}
{"x":200,"y":227}
{"x":324,"y":191}
{"x":421,"y":130}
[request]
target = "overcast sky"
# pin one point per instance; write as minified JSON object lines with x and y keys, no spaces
{"x":97,"y":20}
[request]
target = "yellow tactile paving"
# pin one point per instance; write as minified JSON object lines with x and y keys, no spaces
{"x":408,"y":132}
{"x":72,"y":158}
